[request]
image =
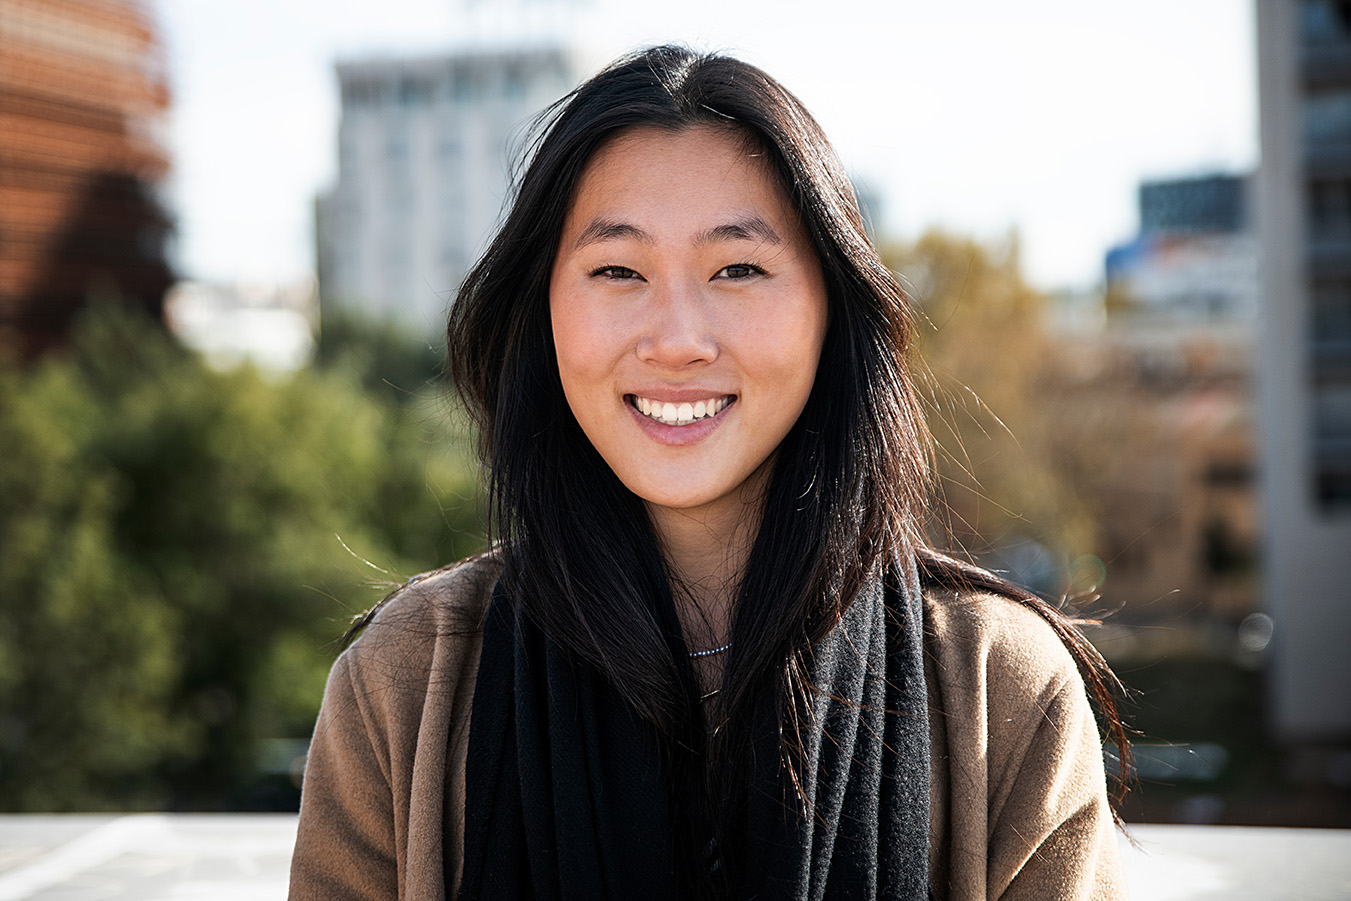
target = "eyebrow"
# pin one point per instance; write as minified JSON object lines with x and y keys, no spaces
{"x":746,"y":228}
{"x":608,"y":230}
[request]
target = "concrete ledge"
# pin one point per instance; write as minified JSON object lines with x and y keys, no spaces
{"x":244,"y":857}
{"x":1238,"y":863}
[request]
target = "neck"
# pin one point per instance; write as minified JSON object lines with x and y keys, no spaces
{"x":706,"y":549}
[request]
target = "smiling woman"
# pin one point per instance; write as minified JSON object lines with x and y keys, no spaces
{"x":710,"y":655}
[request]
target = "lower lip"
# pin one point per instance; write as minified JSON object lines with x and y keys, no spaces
{"x":678,"y":435}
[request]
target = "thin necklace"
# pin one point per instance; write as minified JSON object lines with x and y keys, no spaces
{"x":711,"y":651}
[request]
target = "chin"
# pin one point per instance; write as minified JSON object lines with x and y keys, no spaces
{"x":660,"y":495}
{"x":682,"y":501}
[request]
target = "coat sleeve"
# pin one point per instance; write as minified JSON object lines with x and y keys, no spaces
{"x":1052,"y":834}
{"x":345,"y":844}
{"x":1020,"y":808}
{"x":389,"y":747}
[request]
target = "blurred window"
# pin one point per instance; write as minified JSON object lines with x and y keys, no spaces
{"x":358,"y":93}
{"x":1332,"y":443}
{"x":415,"y":91}
{"x":513,"y":84}
{"x":463,"y":84}
{"x":1332,"y":314}
{"x":1330,"y":208}
{"x":1326,"y":20}
{"x":1332,"y":404}
{"x":1327,"y":117}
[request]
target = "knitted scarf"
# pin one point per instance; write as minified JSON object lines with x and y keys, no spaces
{"x":567,"y":798}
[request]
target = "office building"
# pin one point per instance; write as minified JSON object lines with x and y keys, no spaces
{"x":1304,"y":381}
{"x":424,"y":151}
{"x":1195,"y":259}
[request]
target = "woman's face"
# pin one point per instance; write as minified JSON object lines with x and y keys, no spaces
{"x":688,"y":310}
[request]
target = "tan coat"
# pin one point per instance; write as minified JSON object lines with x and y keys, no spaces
{"x":1018,"y":803}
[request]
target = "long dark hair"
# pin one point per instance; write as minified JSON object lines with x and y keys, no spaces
{"x":850,"y":486}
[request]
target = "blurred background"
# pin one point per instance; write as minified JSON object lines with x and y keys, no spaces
{"x":229,"y":230}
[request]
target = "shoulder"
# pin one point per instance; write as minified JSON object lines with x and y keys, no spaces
{"x":975,"y":635}
{"x":446,"y":601}
{"x":1000,"y":680}
{"x":423,"y":640}
{"x":431,"y":622}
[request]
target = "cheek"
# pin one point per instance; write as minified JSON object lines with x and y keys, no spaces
{"x":582,"y":348}
{"x":789,"y":347}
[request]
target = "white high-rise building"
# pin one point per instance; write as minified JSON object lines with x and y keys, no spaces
{"x":424,"y":150}
{"x":1304,"y":346}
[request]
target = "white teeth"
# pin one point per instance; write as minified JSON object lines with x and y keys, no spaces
{"x":680,"y":414}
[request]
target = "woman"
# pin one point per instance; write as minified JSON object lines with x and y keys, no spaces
{"x":710,"y":655}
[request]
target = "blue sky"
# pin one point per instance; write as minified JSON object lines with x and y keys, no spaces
{"x":978,"y":115}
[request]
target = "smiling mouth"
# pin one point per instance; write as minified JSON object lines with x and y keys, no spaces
{"x":680,"y":414}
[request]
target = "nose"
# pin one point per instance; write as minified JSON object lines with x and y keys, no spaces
{"x":678,"y":331}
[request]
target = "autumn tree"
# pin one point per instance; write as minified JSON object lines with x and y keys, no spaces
{"x":1012,"y":459}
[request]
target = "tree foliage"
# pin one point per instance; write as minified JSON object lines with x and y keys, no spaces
{"x":175,"y":563}
{"x":390,"y":361}
{"x":1010,"y":453}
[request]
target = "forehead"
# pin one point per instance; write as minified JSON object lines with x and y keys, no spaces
{"x":700,"y":165}
{"x":640,"y":140}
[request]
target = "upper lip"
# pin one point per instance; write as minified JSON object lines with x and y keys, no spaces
{"x":683,"y":395}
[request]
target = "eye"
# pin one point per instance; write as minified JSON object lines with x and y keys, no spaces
{"x":617,"y":273}
{"x":739,"y":271}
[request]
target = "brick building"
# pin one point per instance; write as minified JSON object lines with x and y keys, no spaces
{"x":83,"y":95}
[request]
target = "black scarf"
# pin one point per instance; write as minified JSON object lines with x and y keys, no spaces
{"x":567,"y":799}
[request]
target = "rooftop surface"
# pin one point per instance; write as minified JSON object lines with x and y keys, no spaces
{"x":244,"y":857}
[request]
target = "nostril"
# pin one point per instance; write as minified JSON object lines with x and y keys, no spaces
{"x":674,"y":351}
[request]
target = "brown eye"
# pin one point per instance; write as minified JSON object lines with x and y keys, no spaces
{"x":739,"y":271}
{"x":620,"y":273}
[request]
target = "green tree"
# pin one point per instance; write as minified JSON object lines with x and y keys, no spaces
{"x":389,"y":360}
{"x":175,"y":563}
